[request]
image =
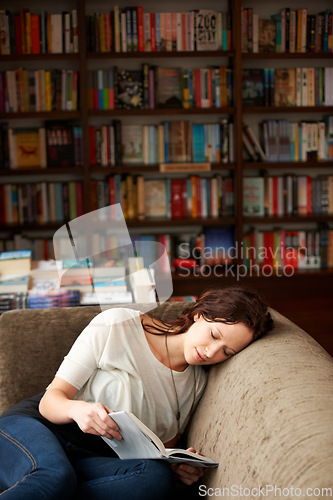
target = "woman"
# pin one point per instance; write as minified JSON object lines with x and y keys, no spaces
{"x":50,"y":445}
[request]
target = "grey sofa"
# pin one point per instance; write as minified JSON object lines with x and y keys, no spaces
{"x":266,"y":416}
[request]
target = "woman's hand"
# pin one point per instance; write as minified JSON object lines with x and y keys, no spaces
{"x":186,"y":473}
{"x":93,"y":418}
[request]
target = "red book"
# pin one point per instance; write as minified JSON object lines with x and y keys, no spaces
{"x":268,"y":241}
{"x":108,"y":33}
{"x":93,"y":195}
{"x":111,"y":98}
{"x":79,"y":199}
{"x":210,"y":99}
{"x":199,"y":197}
{"x":92,"y":145}
{"x":309,"y":195}
{"x":35,"y":34}
{"x":112,"y":191}
{"x":184,"y":263}
{"x":45,"y":249}
{"x":18,"y":34}
{"x":153,"y":32}
{"x":177,"y":198}
{"x":141,"y":41}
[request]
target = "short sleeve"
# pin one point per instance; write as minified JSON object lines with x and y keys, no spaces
{"x":84,"y":357}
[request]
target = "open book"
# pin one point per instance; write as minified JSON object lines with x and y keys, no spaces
{"x":140,"y":442}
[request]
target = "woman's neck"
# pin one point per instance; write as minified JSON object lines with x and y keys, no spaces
{"x":155,"y":331}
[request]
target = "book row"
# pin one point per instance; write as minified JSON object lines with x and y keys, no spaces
{"x":288,"y":195}
{"x":288,"y":87}
{"x":56,"y":144}
{"x":168,"y":142}
{"x":41,"y":248}
{"x":10,"y":301}
{"x":290,"y":30}
{"x":288,"y":249}
{"x":155,"y":87}
{"x":131,"y":29}
{"x":41,"y":202}
{"x":23,"y":90}
{"x":260,"y":249}
{"x":25,"y":32}
{"x":283,"y":140}
{"x":193,"y":197}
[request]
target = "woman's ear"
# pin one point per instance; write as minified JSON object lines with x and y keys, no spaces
{"x":196,"y":317}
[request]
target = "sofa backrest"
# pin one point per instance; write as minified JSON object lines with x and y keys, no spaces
{"x":33,"y":343}
{"x":267,"y":415}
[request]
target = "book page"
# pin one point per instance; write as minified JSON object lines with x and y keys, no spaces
{"x":135,"y":444}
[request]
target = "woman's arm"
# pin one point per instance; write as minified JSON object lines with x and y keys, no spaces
{"x":58,"y":406}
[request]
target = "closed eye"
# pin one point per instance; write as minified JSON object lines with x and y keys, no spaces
{"x":212,"y":335}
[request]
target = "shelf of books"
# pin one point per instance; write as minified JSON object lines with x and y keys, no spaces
{"x":211,"y":125}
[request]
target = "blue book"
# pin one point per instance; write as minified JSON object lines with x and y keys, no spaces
{"x":43,"y":41}
{"x":15,"y":254}
{"x":166,"y":142}
{"x":221,"y":244}
{"x":190,"y":87}
{"x":158,"y":31}
{"x":100,"y":88}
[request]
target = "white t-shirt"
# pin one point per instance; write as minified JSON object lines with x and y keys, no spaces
{"x":111,"y":363}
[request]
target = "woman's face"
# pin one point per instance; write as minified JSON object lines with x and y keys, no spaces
{"x":208,"y":343}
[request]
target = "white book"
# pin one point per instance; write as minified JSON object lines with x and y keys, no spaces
{"x":75,"y":31}
{"x":322,"y":141}
{"x":56,"y":34}
{"x":304,"y":144}
{"x":138,"y":441}
{"x":179,"y":31}
{"x":67,"y":37}
{"x":298,"y":86}
{"x":123,"y":32}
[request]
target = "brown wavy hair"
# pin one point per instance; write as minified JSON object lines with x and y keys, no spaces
{"x":227,"y":305}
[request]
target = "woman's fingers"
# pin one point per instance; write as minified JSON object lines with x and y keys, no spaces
{"x":187,"y":474}
{"x":93,"y":418}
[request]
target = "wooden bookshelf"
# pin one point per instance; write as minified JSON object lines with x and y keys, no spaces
{"x":276,"y":289}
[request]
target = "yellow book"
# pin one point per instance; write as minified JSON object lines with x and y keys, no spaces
{"x":48,"y":96}
{"x":102,"y":33}
{"x":26,"y":143}
{"x":296,"y":141}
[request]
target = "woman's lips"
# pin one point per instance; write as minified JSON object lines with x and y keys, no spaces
{"x":198,"y":356}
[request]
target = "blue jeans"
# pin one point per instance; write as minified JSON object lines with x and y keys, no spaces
{"x":34,"y":465}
